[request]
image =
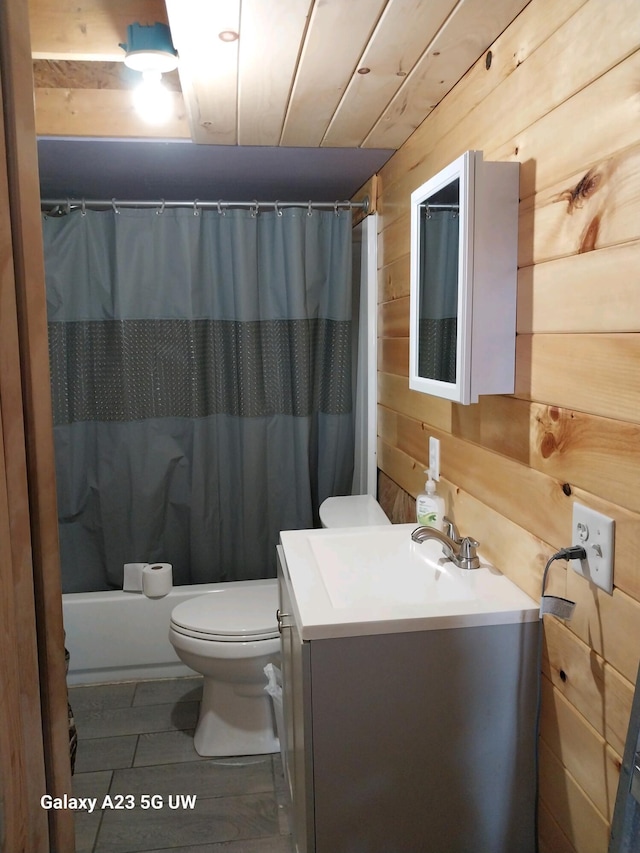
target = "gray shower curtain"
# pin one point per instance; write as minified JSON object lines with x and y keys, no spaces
{"x":201,"y":378}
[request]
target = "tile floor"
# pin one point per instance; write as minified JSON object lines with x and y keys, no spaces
{"x":135,"y":739}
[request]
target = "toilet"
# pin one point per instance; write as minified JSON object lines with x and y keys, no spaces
{"x":230,"y":634}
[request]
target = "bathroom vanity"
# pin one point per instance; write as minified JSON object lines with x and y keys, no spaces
{"x":409,"y":691}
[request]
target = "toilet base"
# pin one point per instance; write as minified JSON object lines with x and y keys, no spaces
{"x":235,"y":719}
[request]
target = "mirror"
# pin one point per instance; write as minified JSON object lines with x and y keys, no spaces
{"x":438,"y":283}
{"x":463,"y":280}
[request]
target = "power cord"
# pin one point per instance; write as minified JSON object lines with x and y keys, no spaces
{"x":574,"y":552}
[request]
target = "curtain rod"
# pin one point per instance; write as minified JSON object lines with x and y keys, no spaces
{"x":67,"y":204}
{"x":451,"y":206}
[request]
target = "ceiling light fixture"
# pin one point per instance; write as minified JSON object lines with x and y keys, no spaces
{"x":151,"y":52}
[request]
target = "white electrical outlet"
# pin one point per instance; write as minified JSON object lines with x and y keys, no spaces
{"x":594,"y":532}
{"x":434,"y":457}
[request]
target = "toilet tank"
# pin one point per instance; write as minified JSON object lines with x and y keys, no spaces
{"x":352,"y":511}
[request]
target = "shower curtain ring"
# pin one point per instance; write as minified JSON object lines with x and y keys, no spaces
{"x":309,"y":210}
{"x":276,"y":204}
{"x":335,"y":208}
{"x":196,"y":212}
{"x":221,"y":212}
{"x":113,"y":205}
{"x":68,"y":206}
{"x":158,"y":212}
{"x":256,"y":209}
{"x":83,"y":208}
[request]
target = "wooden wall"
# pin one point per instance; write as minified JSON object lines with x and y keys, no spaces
{"x":34,"y":737}
{"x":560,"y":93}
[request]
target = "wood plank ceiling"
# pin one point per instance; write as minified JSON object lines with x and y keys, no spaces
{"x":307,"y":73}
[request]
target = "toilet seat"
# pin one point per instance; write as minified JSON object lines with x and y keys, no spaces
{"x":229,"y":615}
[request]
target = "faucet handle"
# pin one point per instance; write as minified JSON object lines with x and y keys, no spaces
{"x":468,"y":558}
{"x":451,"y":530}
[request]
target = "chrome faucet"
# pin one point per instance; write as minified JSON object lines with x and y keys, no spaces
{"x":461,"y":552}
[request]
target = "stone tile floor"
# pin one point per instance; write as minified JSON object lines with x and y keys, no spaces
{"x":135,"y":743}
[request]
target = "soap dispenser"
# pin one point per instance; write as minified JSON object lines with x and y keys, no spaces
{"x":429,"y":505}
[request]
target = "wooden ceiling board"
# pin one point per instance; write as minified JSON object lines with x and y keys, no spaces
{"x":335,"y":41}
{"x":208,"y":66}
{"x":91,"y":30}
{"x":271,"y":36}
{"x":471,"y":28}
{"x":396,"y":45}
{"x":290,"y":80}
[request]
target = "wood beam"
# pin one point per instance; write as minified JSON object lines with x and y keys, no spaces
{"x":91,"y":30}
{"x":105,"y":113}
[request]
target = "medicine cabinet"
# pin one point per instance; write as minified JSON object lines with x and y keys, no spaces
{"x":464,"y":231}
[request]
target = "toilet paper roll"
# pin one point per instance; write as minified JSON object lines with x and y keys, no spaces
{"x":133,"y":577}
{"x":157,"y":579}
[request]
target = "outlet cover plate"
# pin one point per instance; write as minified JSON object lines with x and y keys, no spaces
{"x":594,"y":532}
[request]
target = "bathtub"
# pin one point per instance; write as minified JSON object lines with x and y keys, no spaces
{"x":122,"y":636}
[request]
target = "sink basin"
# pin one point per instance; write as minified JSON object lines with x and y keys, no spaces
{"x":365,"y":580}
{"x":379,"y":568}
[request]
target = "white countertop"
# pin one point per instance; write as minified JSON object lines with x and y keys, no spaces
{"x":375,"y":580}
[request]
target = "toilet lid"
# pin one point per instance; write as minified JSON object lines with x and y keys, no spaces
{"x":247,"y":613}
{"x":352,"y":511}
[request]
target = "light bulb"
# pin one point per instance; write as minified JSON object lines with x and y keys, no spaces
{"x":151,"y":99}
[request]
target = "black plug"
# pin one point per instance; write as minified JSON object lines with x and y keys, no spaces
{"x":575,"y":552}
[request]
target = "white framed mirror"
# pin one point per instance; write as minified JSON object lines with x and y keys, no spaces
{"x":464,"y":225}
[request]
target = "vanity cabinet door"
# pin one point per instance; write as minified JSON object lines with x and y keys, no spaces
{"x":296,"y":704}
{"x":408,"y":741}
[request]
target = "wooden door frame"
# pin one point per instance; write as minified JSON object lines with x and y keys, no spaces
{"x":33,"y":689}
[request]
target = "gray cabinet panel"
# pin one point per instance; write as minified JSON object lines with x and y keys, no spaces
{"x":414,"y":742}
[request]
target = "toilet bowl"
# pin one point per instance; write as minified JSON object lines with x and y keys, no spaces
{"x":230,"y":634}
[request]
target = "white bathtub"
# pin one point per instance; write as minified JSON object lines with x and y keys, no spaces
{"x":122,"y":636}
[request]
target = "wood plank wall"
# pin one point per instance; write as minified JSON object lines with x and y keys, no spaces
{"x":559,"y":93}
{"x":23,"y":823}
{"x":34,"y":737}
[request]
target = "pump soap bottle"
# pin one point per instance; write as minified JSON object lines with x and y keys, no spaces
{"x":429,"y":505}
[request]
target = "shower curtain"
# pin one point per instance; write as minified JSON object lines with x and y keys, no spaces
{"x":201,"y":379}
